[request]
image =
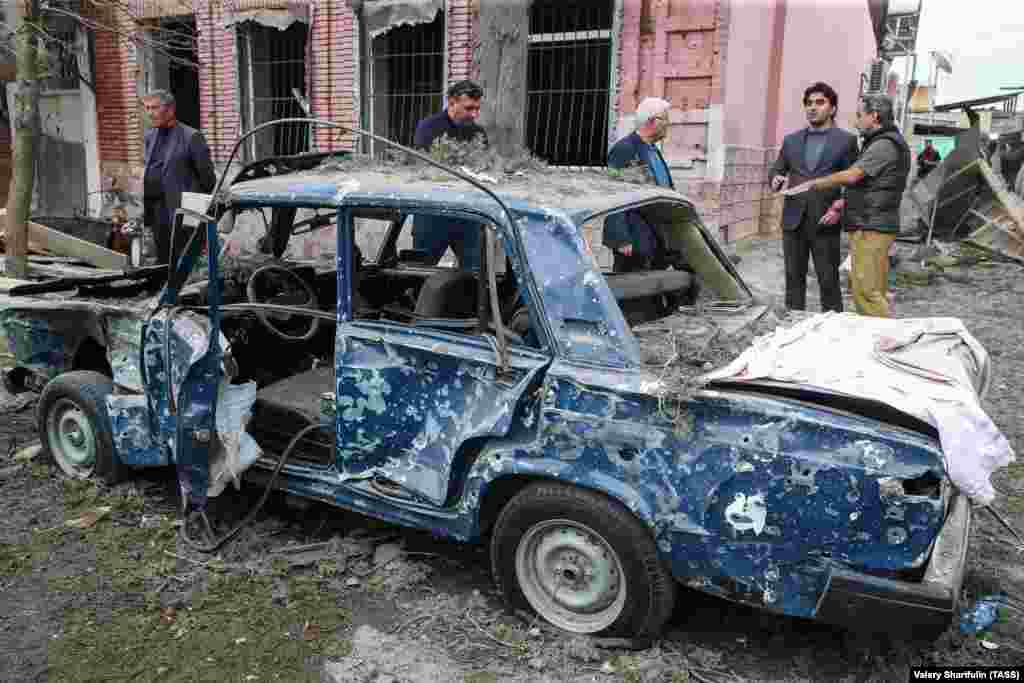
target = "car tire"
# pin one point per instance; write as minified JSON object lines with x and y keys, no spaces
{"x":590,"y":546}
{"x":74,"y":426}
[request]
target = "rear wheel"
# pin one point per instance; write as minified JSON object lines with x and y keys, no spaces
{"x":582,"y":562}
{"x":75,"y":427}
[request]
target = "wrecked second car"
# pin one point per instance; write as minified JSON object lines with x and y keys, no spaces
{"x":480,"y":371}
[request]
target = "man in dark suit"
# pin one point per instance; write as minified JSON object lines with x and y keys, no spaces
{"x":811,"y":221}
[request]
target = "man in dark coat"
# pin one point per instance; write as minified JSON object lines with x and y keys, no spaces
{"x":927,"y":160}
{"x":633,"y":241}
{"x":811,"y":221}
{"x":457,"y":121}
{"x":177,"y":160}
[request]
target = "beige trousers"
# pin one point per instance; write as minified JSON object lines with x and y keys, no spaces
{"x":869,"y":273}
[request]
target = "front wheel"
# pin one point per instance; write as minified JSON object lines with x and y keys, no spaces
{"x":582,"y":562}
{"x":75,"y":427}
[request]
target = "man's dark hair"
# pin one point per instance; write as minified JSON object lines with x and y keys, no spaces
{"x":826,"y":90}
{"x":468,"y":88}
{"x":881,"y":105}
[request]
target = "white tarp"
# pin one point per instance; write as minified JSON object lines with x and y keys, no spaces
{"x":919,"y":366}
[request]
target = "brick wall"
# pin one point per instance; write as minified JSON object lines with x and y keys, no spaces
{"x":462,"y":21}
{"x":333,"y":78}
{"x":220,"y":120}
{"x":118,"y":112}
{"x":746,"y":207}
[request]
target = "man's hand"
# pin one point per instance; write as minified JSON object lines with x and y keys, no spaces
{"x":799,"y":189}
{"x":778,"y":182}
{"x":625,"y":250}
{"x":831,"y":217}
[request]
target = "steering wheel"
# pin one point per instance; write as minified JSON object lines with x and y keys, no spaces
{"x":294,"y":291}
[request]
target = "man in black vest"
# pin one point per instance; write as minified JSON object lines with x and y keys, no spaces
{"x":874,"y":189}
{"x":810,"y":221}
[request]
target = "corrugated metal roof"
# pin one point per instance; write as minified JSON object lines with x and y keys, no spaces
{"x":994,"y":99}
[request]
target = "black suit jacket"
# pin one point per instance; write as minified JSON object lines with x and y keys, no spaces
{"x":838,"y":154}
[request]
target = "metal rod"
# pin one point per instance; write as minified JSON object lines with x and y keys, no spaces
{"x":935,"y":209}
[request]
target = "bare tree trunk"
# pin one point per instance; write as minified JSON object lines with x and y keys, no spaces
{"x":501,"y":56}
{"x":25,"y":121}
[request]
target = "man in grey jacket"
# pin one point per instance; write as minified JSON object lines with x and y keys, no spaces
{"x":177,"y":160}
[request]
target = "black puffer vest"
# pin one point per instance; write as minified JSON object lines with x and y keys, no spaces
{"x":874,"y":202}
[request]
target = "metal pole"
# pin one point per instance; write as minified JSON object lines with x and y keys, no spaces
{"x":935,"y":208}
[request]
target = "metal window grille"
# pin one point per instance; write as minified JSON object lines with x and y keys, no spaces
{"x":272,"y":68}
{"x":62,"y":71}
{"x":177,"y":41}
{"x":404,"y":79}
{"x":568,"y":81}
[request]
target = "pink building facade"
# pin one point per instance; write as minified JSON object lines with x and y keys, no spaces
{"x":734,"y":71}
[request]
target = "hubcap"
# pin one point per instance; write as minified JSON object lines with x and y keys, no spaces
{"x":571,"y":576}
{"x":71,"y":438}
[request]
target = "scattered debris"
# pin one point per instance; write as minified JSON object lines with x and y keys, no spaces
{"x":17,"y":403}
{"x":386,"y":553}
{"x":10,"y":471}
{"x":963,"y":197}
{"x":310,"y":632}
{"x":89,"y":519}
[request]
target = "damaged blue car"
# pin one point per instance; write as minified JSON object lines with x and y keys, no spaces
{"x":316,"y":334}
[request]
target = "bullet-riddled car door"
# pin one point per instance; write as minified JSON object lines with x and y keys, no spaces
{"x":410,"y":400}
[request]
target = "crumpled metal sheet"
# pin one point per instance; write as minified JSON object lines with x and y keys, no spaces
{"x":273,"y":14}
{"x":134,"y":440}
{"x":238,"y":450}
{"x":380,"y":16}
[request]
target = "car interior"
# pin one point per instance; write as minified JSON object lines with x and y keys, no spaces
{"x":398,"y":277}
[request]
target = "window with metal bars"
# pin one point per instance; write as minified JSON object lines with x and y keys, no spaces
{"x":568,"y":79}
{"x":62,"y":73}
{"x":404,"y":77}
{"x":272,"y":69}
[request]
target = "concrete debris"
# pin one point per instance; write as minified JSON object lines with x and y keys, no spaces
{"x":386,"y":553}
{"x":376,"y":655}
{"x":16,"y":403}
{"x":9,"y":472}
{"x":538,"y":663}
{"x":583,"y":650}
{"x":28,"y":453}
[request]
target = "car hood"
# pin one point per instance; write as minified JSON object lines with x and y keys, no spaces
{"x":927,"y":374}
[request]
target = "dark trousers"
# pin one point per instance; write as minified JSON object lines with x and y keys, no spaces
{"x":630,"y":264}
{"x":152,"y":216}
{"x":812,"y":239}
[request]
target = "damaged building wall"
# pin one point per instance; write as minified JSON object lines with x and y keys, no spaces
{"x":735,"y":74}
{"x":61,"y":175}
{"x":334,"y":70}
{"x":118,"y":112}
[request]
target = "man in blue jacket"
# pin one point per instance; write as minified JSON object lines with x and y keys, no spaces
{"x":177,"y":160}
{"x":811,"y":221}
{"x":633,"y":241}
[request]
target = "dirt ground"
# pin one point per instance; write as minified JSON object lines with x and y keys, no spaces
{"x":314,"y":593}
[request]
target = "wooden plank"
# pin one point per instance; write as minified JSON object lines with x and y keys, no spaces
{"x":61,"y":244}
{"x":1012,"y":206}
{"x":7,"y":283}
